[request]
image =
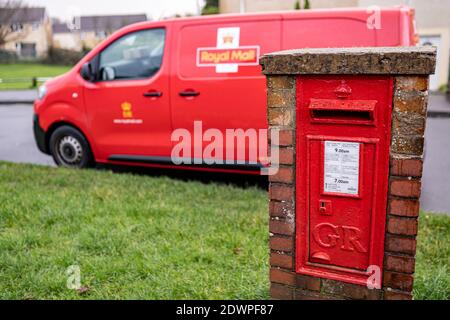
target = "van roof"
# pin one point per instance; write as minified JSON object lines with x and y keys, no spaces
{"x":286,"y":14}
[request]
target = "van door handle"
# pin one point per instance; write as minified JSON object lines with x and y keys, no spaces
{"x":153,"y":94}
{"x":189,"y":94}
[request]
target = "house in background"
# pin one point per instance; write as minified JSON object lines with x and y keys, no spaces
{"x":88,"y":31}
{"x":432,"y":18}
{"x":30,"y":32}
{"x":236,"y":6}
{"x":433,"y":24}
{"x":64,"y":38}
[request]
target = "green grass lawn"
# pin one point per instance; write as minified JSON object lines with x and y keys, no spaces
{"x":144,"y":237}
{"x":28,"y":70}
{"x":433,"y":258}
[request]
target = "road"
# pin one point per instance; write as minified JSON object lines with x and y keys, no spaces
{"x":436,"y":172}
{"x":16,"y":136}
{"x":17,"y":145}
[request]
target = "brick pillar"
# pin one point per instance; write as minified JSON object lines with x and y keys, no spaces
{"x":409,"y":70}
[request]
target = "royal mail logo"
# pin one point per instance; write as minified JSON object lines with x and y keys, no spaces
{"x":242,"y":56}
{"x":127,"y":115}
{"x":228,"y":55}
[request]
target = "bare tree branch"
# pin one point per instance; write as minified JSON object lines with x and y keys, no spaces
{"x":11,"y":13}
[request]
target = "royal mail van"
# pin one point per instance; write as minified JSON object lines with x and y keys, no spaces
{"x":138,"y":94}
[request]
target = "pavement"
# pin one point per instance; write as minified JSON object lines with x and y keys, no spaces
{"x":439,"y":106}
{"x":9,"y":97}
{"x":17,"y":145}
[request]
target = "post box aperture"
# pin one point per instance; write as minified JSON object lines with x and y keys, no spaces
{"x":343,"y":139}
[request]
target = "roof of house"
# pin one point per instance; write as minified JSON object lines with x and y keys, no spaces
{"x":60,"y":28}
{"x":101,"y":23}
{"x":23,"y":15}
{"x":109,"y":23}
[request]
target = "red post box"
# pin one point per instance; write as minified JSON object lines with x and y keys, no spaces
{"x":344,"y":202}
{"x":343,"y":140}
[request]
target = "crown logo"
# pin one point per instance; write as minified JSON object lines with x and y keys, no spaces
{"x":228,"y":39}
{"x":126,"y":110}
{"x":343,"y":91}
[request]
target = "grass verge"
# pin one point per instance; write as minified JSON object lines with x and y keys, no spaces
{"x":432,"y":280}
{"x":141,"y":237}
{"x":27,"y":70}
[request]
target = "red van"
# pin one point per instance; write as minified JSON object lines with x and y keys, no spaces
{"x":122,"y":102}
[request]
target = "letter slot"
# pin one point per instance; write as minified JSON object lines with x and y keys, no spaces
{"x":343,"y":111}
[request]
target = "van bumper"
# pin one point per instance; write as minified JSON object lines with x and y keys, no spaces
{"x":39,"y":135}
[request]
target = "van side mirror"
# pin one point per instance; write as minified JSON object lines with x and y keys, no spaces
{"x":86,"y":72}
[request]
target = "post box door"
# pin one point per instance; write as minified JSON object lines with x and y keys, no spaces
{"x":343,"y":137}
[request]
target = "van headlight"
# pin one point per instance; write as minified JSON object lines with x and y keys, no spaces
{"x":42,"y":92}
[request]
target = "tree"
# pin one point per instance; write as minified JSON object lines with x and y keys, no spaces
{"x":211,"y":7}
{"x":11,"y":13}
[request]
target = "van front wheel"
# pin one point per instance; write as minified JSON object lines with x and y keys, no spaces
{"x":70,"y":148}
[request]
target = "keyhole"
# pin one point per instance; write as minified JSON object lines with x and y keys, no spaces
{"x":322,"y":207}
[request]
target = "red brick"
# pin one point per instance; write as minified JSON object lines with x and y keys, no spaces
{"x":410,"y":101}
{"x":281,"y":116}
{"x":408,"y":124}
{"x":281,"y":292}
{"x":406,"y":188}
{"x":281,"y":82}
{"x":404,"y":207}
{"x":281,"y":192}
{"x":402,"y":226}
{"x":411,"y":83}
{"x":281,"y":260}
{"x":361,"y":293}
{"x":284,"y":175}
{"x":399,"y":281}
{"x":310,"y":295}
{"x":286,"y":156}
{"x":400,"y":263}
{"x":281,"y":209}
{"x":400,"y":244}
{"x":406,"y":167}
{"x":397,"y":295}
{"x":286,"y":138}
{"x":348,"y":290}
{"x":281,"y":227}
{"x":410,"y":145}
{"x":309,"y":283}
{"x":285,"y":244}
{"x":282,"y":277}
{"x":280,"y":98}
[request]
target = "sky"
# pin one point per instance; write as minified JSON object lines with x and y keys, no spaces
{"x":155,"y":9}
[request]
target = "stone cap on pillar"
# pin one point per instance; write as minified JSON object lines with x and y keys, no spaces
{"x":367,"y":61}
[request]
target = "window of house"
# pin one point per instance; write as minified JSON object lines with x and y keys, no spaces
{"x":100,"y":34}
{"x":16,"y":27}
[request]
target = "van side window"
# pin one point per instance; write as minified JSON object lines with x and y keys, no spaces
{"x":137,"y":55}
